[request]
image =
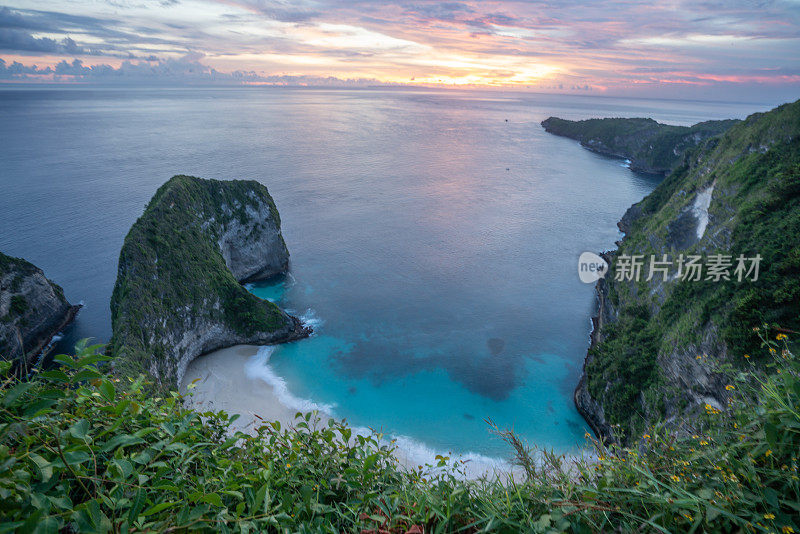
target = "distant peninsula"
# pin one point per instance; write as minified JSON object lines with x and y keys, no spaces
{"x":32,"y":310}
{"x":650,"y":146}
{"x":179,"y":290}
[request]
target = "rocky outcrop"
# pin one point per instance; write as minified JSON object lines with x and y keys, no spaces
{"x":651,"y":147}
{"x":32,"y":310}
{"x":659,"y":341}
{"x":178,"y":292}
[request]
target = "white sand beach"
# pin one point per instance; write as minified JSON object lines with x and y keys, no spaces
{"x":222,"y":383}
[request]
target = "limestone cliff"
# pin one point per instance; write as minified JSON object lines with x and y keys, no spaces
{"x":32,"y":310}
{"x":650,"y":146}
{"x":178,"y":292}
{"x":659,"y":340}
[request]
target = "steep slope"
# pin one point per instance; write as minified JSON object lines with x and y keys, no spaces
{"x":178,"y":292}
{"x":657,"y":342}
{"x":650,"y":146}
{"x":32,"y":310}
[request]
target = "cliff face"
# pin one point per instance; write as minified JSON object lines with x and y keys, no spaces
{"x":32,"y":310}
{"x":650,"y":146}
{"x":178,"y":292}
{"x":657,"y":342}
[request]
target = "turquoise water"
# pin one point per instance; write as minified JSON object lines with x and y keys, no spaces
{"x":421,"y":399}
{"x":434,"y":234}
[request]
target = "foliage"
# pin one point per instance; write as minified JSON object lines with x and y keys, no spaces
{"x":629,"y":352}
{"x":81,"y":450}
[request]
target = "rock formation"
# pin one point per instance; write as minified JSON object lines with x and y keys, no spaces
{"x":32,"y":310}
{"x":178,"y":292}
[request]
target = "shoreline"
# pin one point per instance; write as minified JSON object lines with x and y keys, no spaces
{"x":221,"y":382}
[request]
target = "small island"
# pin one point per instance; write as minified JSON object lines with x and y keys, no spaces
{"x":179,"y":290}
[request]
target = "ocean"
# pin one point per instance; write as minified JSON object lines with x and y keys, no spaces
{"x":434,"y":235}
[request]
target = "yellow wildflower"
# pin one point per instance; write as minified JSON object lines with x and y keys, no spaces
{"x":747,"y":356}
{"x":729,"y":387}
{"x":675,"y":478}
{"x":769,"y":516}
{"x":772,"y":350}
{"x":646,"y":436}
{"x":781,"y":337}
{"x":768,"y":453}
{"x":787,"y":529}
{"x":704,"y":442}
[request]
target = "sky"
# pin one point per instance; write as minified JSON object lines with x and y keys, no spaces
{"x":735,"y":50}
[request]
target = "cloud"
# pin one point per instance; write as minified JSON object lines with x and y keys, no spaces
{"x":580,"y":44}
{"x":186,"y":70}
{"x":282,"y":11}
{"x":19,"y":40}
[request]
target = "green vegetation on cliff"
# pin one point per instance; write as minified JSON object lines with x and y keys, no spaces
{"x":660,"y":337}
{"x":650,"y":146}
{"x":175,"y":297}
{"x":83,"y":451}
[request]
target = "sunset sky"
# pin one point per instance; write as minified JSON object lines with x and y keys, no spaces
{"x":720,"y":49}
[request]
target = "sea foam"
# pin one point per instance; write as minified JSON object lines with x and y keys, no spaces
{"x":258,"y":367}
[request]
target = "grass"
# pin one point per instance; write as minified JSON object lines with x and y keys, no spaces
{"x":85,"y":451}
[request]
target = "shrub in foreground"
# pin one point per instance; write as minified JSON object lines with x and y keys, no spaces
{"x":83,"y":450}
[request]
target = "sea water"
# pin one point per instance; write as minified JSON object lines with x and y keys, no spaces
{"x":434,"y":235}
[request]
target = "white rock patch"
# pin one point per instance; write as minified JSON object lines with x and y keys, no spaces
{"x":700,"y":209}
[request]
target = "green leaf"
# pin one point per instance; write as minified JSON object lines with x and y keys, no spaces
{"x":212,"y":499}
{"x":44,"y":467}
{"x":160,"y":507}
{"x":62,"y":502}
{"x":107,"y":390}
{"x":85,"y":374}
{"x":80,"y":430}
{"x":123,"y":440}
{"x":136,"y":506}
{"x":771,"y":433}
{"x":76,"y":457}
{"x":35,"y":408}
{"x":370,"y":461}
{"x":59,"y":376}
{"x":124,"y":466}
{"x":14,"y":393}
{"x":65,"y":360}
